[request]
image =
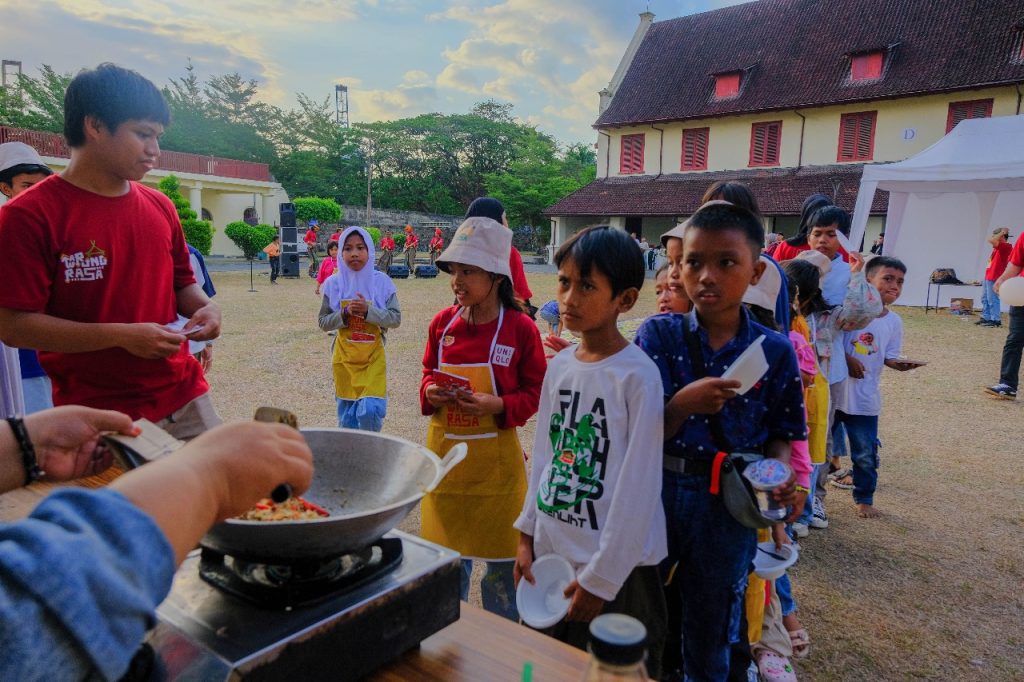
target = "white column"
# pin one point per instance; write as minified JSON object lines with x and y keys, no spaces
{"x":268,"y":216}
{"x":195,"y":198}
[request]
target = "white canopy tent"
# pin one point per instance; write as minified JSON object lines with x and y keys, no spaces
{"x":945,"y":202}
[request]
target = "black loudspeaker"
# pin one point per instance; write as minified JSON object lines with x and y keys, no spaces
{"x":290,"y":265}
{"x":289,"y":235}
{"x":426,"y":271}
{"x":287,"y":215}
{"x":398,"y":272}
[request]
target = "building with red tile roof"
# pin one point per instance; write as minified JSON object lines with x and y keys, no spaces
{"x":791,"y":97}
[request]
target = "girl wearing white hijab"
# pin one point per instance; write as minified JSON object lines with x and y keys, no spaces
{"x":360,"y":303}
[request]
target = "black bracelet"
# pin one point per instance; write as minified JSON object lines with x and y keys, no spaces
{"x":28,"y":453}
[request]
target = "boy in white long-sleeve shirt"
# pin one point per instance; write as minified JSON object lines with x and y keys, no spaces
{"x":595,"y":489}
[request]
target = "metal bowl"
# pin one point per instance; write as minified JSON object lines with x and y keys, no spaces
{"x":367,"y":481}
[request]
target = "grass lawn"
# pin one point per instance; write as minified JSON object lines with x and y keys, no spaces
{"x":933,"y":590}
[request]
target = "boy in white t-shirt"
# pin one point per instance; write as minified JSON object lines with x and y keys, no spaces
{"x":595,"y":489}
{"x":867,"y":351}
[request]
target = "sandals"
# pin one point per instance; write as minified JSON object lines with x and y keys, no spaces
{"x":774,"y":667}
{"x":839,"y":478}
{"x":801,"y":642}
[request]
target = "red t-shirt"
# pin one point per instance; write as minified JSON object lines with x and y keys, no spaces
{"x":1008,"y":254}
{"x":310,"y":237}
{"x":80,"y":256}
{"x":519,"y":379}
{"x":785,"y":251}
{"x":334,"y":237}
{"x":519,"y":284}
{"x":411,"y":240}
{"x":387,"y":244}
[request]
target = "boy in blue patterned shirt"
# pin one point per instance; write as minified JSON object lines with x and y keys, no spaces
{"x":716,"y":253}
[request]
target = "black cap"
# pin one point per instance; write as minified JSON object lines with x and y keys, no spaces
{"x":618,"y":639}
{"x":486,"y":207}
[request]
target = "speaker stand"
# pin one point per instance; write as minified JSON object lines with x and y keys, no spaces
{"x":252,"y":288}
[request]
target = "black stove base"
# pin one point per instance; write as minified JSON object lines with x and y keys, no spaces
{"x":205,"y":634}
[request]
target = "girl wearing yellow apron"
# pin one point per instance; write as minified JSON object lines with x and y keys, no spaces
{"x":482,"y":372}
{"x":360,"y":303}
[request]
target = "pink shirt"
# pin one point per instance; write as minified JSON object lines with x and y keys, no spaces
{"x":800,"y":456}
{"x":327,"y":268}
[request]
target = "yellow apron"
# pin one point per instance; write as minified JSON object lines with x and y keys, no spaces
{"x":358,"y":360}
{"x":755,"y":597}
{"x":816,"y":397}
{"x":473,"y":508}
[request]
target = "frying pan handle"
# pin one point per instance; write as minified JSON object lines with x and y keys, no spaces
{"x":454,"y":456}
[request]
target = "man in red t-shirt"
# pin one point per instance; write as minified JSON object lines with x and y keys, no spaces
{"x":1009,"y":371}
{"x":1000,"y":241}
{"x":310,"y":241}
{"x":97,"y":276}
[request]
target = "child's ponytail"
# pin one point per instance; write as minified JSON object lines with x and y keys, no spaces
{"x":506,"y":294}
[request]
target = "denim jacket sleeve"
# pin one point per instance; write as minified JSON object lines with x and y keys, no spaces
{"x":80,"y":580}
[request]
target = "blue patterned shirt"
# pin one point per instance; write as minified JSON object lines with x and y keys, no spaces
{"x":80,"y":580}
{"x":772,"y":410}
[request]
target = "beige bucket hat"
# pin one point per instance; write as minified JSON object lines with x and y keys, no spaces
{"x":817,"y":259}
{"x":766,"y":292}
{"x":482,"y":242}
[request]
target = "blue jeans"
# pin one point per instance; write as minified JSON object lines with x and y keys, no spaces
{"x":715,"y":554}
{"x":365,"y":414}
{"x":989,"y":302}
{"x":497,"y":588}
{"x":785,"y":592}
{"x":862,"y":430}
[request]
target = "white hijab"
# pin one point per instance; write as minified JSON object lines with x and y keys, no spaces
{"x":375,"y":286}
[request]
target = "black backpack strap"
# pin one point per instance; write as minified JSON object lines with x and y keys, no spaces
{"x":700,"y":371}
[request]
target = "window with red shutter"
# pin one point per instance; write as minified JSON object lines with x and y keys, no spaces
{"x":765,"y":140}
{"x":695,"y":149}
{"x":867,"y":66}
{"x":961,"y":111}
{"x":631,"y":157}
{"x":857,"y":136}
{"x":727,"y":85}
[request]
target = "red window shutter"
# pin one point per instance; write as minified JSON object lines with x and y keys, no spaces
{"x":727,"y":85}
{"x":867,"y":66}
{"x":631,"y":156}
{"x":765,"y":142}
{"x":961,"y":111}
{"x":857,"y":136}
{"x":695,"y":149}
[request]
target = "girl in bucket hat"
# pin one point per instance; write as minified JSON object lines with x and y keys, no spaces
{"x":482,"y":373}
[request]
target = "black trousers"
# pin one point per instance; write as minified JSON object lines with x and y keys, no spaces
{"x":1009,"y":372}
{"x":275,"y":267}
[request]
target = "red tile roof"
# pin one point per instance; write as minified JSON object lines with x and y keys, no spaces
{"x":779,"y":191}
{"x":795,"y":53}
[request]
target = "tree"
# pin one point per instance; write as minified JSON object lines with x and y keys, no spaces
{"x":198,"y":233}
{"x":250,"y":239}
{"x":35,"y":103}
{"x":316,"y":208}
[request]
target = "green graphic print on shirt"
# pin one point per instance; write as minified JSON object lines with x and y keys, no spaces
{"x":575,"y":479}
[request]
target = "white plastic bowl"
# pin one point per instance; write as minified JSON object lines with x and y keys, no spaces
{"x":542,"y":604}
{"x":768,"y":567}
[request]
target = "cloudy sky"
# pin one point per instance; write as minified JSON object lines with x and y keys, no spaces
{"x":398,"y":57}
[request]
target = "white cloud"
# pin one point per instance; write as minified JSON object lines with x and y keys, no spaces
{"x":416,"y":77}
{"x":388,"y":105}
{"x":533,"y":51}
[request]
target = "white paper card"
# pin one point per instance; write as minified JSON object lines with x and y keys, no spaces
{"x":749,"y":367}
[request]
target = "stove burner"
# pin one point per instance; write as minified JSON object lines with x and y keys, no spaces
{"x":301,"y":583}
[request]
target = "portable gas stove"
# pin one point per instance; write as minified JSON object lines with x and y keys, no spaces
{"x":336,"y":619}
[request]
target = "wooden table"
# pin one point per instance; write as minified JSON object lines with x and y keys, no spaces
{"x":482,"y":646}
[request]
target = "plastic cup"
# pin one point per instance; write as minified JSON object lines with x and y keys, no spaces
{"x":765,"y":476}
{"x":543,"y":604}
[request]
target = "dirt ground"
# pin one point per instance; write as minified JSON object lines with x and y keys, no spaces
{"x":933,"y":590}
